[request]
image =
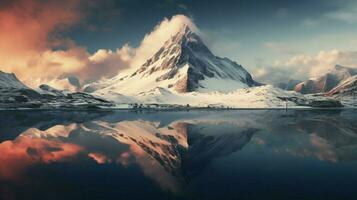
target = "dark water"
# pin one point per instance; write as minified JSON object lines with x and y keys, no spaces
{"x":178,"y":155}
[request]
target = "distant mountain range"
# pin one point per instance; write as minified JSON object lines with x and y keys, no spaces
{"x":338,"y":80}
{"x":14,"y":94}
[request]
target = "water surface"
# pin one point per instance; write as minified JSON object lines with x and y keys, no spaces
{"x":248,"y":154}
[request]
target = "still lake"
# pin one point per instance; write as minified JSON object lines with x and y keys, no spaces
{"x":244,"y":154}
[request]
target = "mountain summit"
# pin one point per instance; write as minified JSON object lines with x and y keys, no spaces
{"x":183,"y":64}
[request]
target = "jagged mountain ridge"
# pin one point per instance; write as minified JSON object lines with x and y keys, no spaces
{"x":183,"y":64}
{"x":326,"y":82}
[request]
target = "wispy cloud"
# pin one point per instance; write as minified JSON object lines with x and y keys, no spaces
{"x":344,"y":12}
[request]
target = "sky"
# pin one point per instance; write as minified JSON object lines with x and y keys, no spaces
{"x":275,"y":40}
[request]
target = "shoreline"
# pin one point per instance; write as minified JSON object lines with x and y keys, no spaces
{"x":174,"y":109}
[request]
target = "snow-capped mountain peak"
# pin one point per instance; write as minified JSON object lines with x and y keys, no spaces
{"x":183,"y":64}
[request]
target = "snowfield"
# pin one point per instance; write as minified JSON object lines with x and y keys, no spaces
{"x":266,"y":96}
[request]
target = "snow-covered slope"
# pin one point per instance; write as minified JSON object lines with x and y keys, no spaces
{"x":327,"y":81}
{"x":182,"y":64}
{"x":10,"y":81}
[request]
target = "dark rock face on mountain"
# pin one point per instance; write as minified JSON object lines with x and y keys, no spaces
{"x":14,"y":94}
{"x":347,"y":87}
{"x":326,"y":82}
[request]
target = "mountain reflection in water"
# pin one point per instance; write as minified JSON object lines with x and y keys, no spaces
{"x":195,"y":155}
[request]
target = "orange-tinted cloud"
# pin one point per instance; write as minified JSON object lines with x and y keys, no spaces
{"x":26,"y":28}
{"x":29,"y":31}
{"x":75,"y":61}
{"x":26,"y":24}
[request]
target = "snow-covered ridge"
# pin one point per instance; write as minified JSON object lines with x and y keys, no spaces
{"x":9,"y":80}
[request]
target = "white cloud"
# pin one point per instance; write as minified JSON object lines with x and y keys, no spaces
{"x":51,"y":67}
{"x":305,"y":66}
